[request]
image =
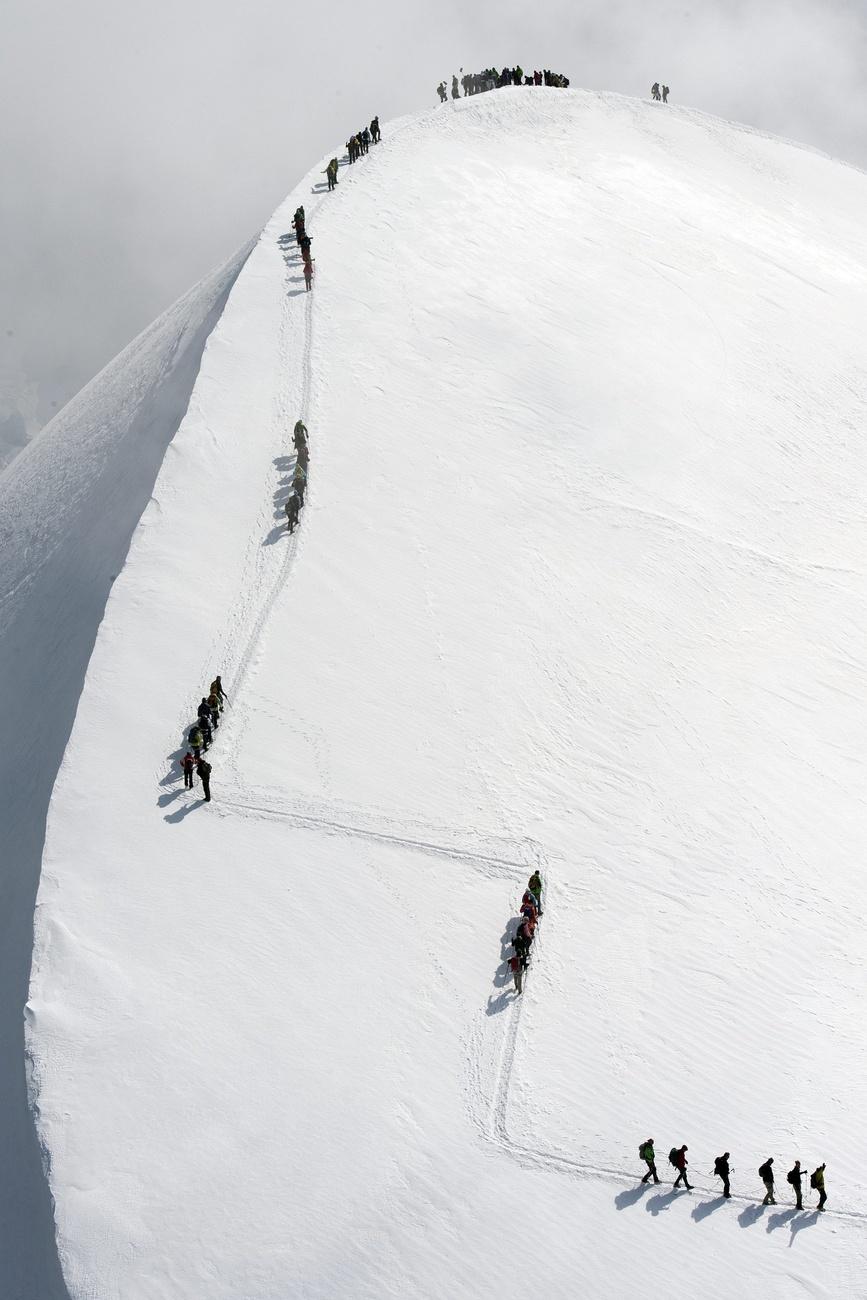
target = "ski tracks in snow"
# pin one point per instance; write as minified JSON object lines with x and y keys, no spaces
{"x":491,"y":854}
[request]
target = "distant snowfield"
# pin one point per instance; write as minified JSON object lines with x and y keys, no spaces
{"x":580,"y":583}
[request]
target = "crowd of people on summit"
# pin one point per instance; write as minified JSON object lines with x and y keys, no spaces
{"x":722,"y":1170}
{"x":474,"y":83}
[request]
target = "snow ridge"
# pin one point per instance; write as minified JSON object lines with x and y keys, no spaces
{"x":69,"y":503}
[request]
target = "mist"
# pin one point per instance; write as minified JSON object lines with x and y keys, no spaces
{"x":142,"y":146}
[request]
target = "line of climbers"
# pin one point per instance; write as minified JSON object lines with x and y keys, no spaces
{"x":474,"y":83}
{"x":525,"y":933}
{"x":359,"y":144}
{"x":299,"y":476}
{"x":656,"y":93}
{"x":200,"y":737}
{"x":356,"y":146}
{"x":722,"y":1170}
{"x":201,"y":734}
{"x":303,"y":241}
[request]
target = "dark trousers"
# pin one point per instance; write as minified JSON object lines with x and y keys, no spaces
{"x":188,"y":779}
{"x":206,"y":786}
{"x":727,"y":1191}
{"x":682,"y":1178}
{"x":770,"y":1199}
{"x":651,"y":1172}
{"x":799,"y":1204}
{"x":822,"y":1199}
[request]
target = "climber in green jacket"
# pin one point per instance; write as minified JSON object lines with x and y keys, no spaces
{"x":648,"y":1155}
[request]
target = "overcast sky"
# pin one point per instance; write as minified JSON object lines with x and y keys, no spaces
{"x":142,"y":143}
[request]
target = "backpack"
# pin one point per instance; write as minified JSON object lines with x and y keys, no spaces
{"x":792,"y":1177}
{"x":765,"y":1173}
{"x":719,"y":1166}
{"x":814,"y":1181}
{"x":674,"y":1157}
{"x":643,"y":1151}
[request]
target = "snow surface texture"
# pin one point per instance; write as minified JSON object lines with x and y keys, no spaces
{"x":579,"y":584}
{"x":68,"y":506}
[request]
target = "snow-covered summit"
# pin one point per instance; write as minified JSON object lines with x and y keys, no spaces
{"x":578,"y":585}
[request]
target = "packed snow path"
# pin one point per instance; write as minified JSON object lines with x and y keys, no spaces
{"x":579,"y":574}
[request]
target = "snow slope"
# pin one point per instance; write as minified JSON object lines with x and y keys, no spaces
{"x":68,"y":506}
{"x":579,"y":584}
